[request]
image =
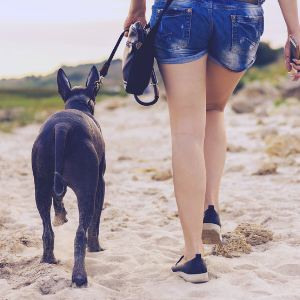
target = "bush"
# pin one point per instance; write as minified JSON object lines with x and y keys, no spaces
{"x":266,"y":55}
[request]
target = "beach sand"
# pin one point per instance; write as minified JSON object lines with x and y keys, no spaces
{"x":140,"y":229}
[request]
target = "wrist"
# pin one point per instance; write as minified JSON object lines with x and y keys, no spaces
{"x":294,"y":31}
{"x":137,"y":10}
{"x":137,"y":14}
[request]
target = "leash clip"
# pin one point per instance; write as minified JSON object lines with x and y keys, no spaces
{"x":100,"y":79}
{"x":98,"y":83}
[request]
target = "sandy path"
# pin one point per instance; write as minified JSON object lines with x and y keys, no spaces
{"x":139,"y":228}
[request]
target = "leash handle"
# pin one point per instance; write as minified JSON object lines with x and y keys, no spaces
{"x":156,"y":92}
{"x":103,"y":72}
{"x":105,"y":67}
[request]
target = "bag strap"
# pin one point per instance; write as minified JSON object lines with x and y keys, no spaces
{"x":150,"y":39}
{"x":156,"y":91}
{"x":156,"y":26}
{"x":154,"y":29}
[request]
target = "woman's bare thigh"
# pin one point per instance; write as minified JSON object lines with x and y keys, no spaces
{"x":220,"y":84}
{"x":185,"y":86}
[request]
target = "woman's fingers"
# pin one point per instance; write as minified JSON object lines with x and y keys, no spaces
{"x":295,"y":67}
{"x":296,"y":61}
{"x":132,"y":18}
{"x":295,"y":76}
{"x":288,"y":64}
{"x":287,"y":56}
{"x":127,"y":24}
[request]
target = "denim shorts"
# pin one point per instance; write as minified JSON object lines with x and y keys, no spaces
{"x":228,"y":30}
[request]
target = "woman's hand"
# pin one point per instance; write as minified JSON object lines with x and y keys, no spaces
{"x":295,"y":63}
{"x":135,"y":17}
{"x":290,"y":13}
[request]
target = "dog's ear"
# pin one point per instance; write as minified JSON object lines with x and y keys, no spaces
{"x":64,"y":86}
{"x":90,"y":83}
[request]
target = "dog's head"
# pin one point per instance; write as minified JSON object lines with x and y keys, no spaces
{"x":66,"y":91}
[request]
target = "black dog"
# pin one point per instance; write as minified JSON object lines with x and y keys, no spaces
{"x":70,"y":151}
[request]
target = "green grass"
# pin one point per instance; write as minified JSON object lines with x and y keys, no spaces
{"x":280,"y":102}
{"x":275,"y":73}
{"x":25,"y":106}
{"x":29,"y":98}
{"x":20,"y":107}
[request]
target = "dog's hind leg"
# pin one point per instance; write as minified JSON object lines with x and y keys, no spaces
{"x":86,"y":208}
{"x":81,"y":172}
{"x":60,"y":212}
{"x":43,"y":197}
{"x":93,"y":232}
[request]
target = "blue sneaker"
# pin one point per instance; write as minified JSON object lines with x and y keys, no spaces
{"x":211,"y":232}
{"x":193,"y":270}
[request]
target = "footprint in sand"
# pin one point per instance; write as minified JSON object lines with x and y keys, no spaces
{"x":96,"y":269}
{"x":117,"y":258}
{"x":288,"y":270}
{"x":145,"y":235}
{"x":166,"y":241}
{"x":53,"y":285}
{"x":245,"y":267}
{"x":261,"y":293}
{"x":199,"y":294}
{"x":115,"y":284}
{"x":271,"y":276}
{"x":111,"y":213}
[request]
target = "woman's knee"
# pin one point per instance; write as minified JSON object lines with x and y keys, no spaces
{"x":189,"y":127}
{"x":187,"y":142}
{"x":217,"y":107}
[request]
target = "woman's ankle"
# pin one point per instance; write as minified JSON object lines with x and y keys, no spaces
{"x":214,"y":203}
{"x":190,"y":252}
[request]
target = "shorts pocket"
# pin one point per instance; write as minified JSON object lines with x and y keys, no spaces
{"x":175,"y":27}
{"x":246,"y":33}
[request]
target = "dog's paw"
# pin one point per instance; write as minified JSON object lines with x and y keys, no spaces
{"x":79,"y":276}
{"x":60,"y":219}
{"x":93,"y":244}
{"x":49,"y":259}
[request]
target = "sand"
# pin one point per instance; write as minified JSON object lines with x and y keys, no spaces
{"x":140,"y":229}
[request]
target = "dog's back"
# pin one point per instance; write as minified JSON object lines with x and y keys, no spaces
{"x":76,"y":135}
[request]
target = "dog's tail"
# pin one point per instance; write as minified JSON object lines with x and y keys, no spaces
{"x":60,"y":185}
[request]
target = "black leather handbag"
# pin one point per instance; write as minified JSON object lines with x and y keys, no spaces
{"x":138,"y":59}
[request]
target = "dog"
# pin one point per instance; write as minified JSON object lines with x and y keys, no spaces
{"x":70,"y":152}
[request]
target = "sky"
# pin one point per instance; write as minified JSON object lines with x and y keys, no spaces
{"x":39,"y":36}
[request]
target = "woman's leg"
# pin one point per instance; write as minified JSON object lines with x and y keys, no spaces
{"x":220,"y":84}
{"x":185,"y":86}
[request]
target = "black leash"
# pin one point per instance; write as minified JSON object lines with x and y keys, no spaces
{"x":105,"y":67}
{"x":103,"y":72}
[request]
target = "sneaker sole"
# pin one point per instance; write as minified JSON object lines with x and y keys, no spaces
{"x":203,"y":277}
{"x":211,"y":234}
